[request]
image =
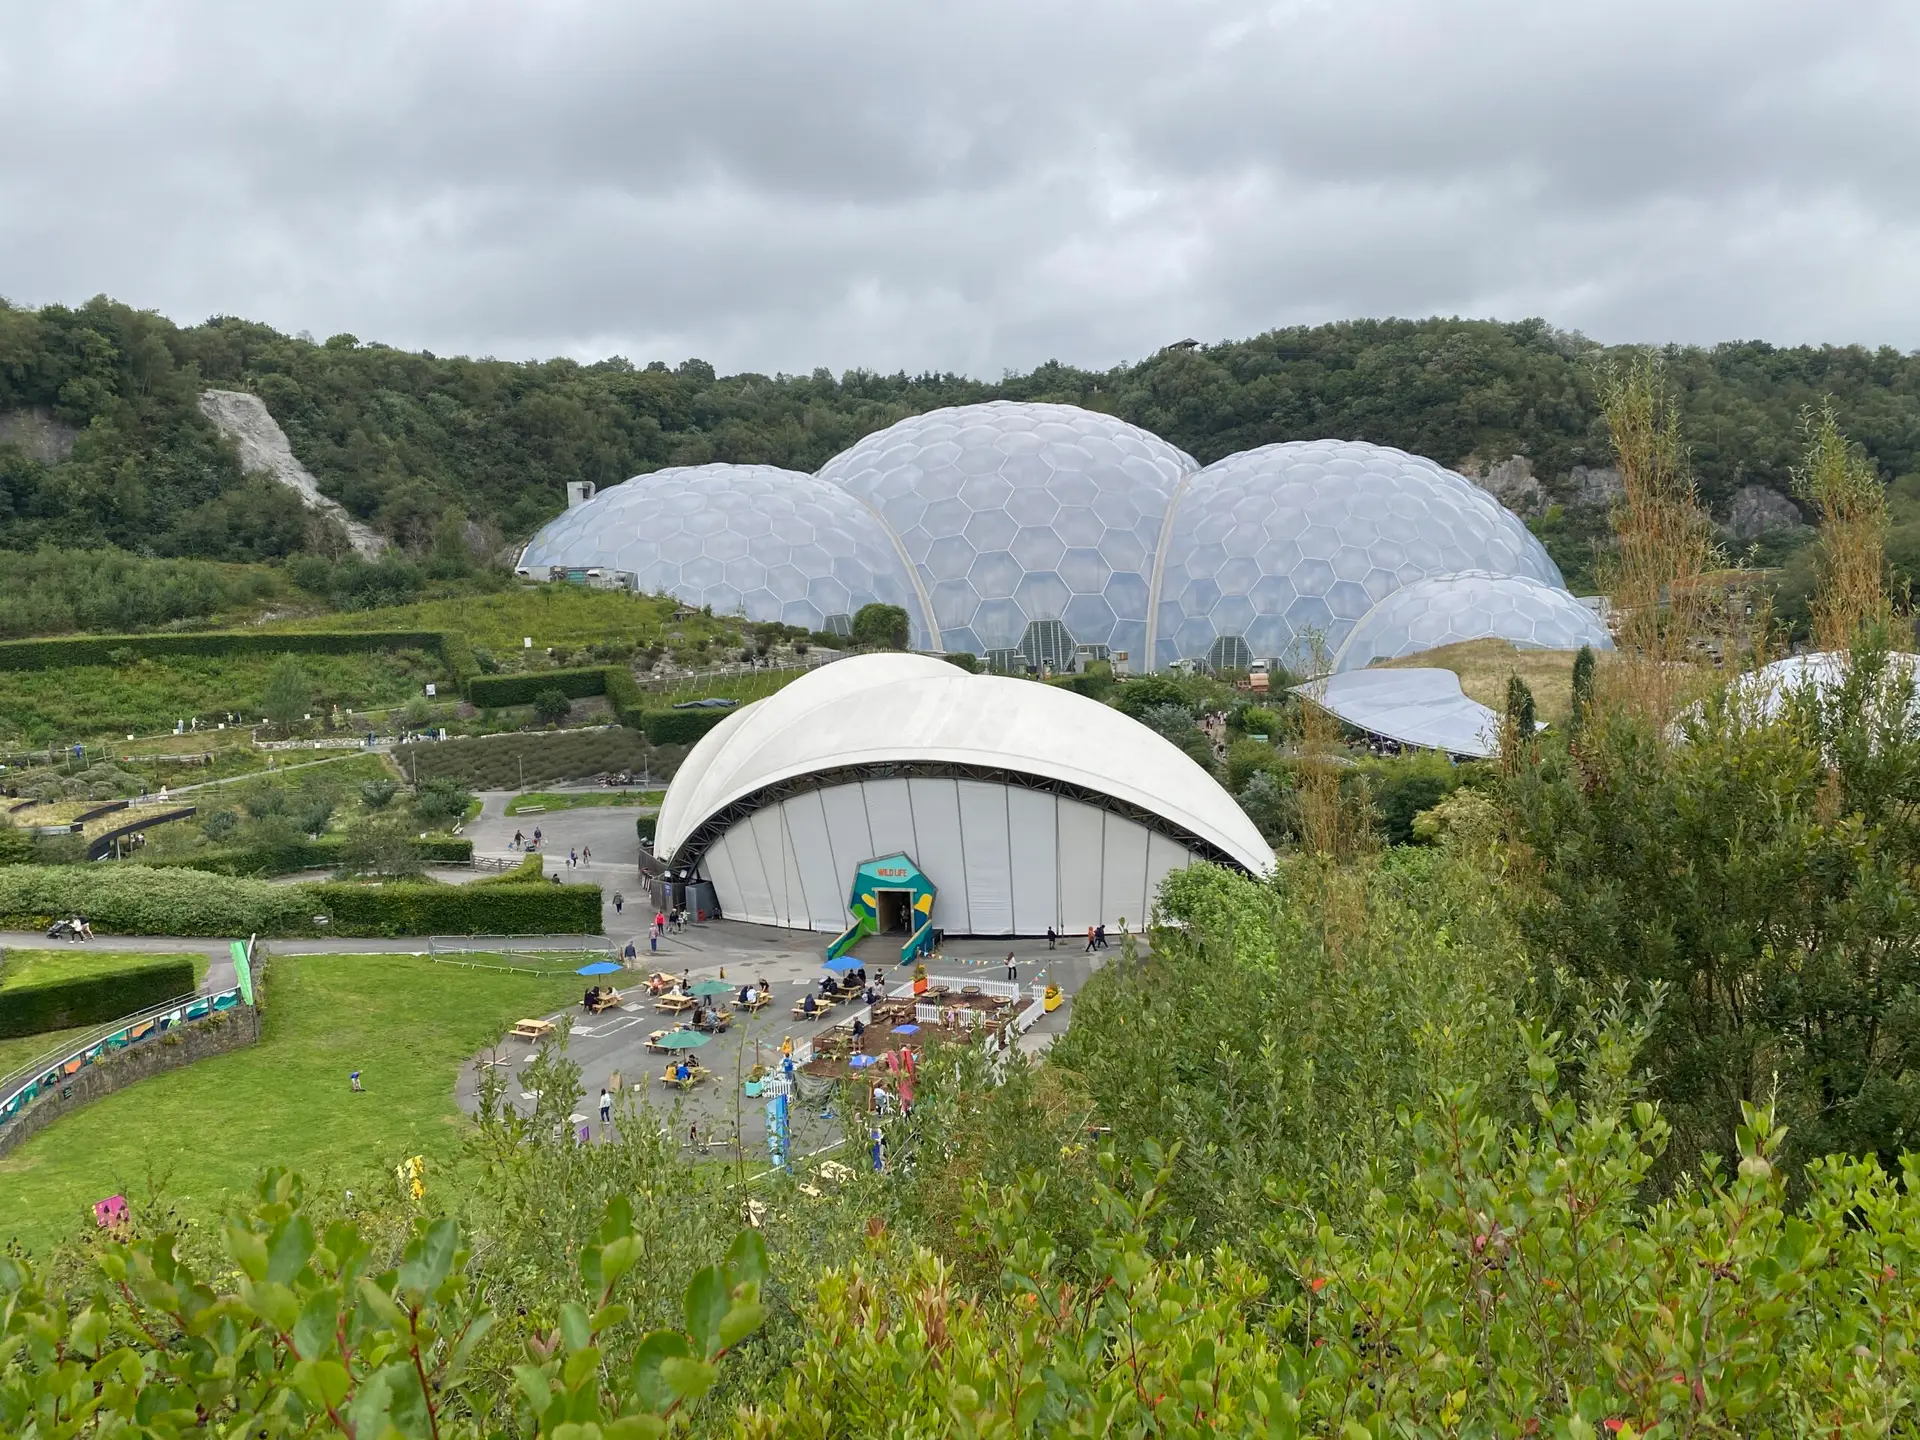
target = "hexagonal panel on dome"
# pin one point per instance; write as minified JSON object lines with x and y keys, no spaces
{"x":745,"y":539}
{"x":1347,"y":522}
{"x":1471,"y":605}
{"x":1024,"y":483}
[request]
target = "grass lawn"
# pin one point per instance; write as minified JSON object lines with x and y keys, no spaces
{"x":206,"y":1131}
{"x":549,"y":614}
{"x":580,"y":799}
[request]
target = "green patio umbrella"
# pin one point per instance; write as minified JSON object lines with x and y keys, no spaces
{"x":682,"y":1040}
{"x":707,"y":989}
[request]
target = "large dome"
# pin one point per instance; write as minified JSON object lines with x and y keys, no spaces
{"x":753,"y":540}
{"x":1014,"y":514}
{"x":1271,"y":548}
{"x":1447,"y":609}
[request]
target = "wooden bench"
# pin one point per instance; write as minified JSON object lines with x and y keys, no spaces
{"x":820,"y":1007}
{"x":531,"y":1029}
{"x":675,"y":1004}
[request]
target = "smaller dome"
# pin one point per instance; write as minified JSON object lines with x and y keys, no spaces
{"x":1470,"y":605}
{"x":751,"y":540}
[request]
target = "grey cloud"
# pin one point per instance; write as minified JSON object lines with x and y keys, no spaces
{"x":976,"y":186}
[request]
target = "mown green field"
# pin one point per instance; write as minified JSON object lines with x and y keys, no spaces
{"x":204,"y":1132}
{"x":147,"y":695}
{"x":548,"y":614}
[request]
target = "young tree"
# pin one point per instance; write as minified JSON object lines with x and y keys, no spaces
{"x":289,"y":694}
{"x":1582,"y":709}
{"x":881,"y":627}
{"x":1844,"y":487}
{"x":550,"y":707}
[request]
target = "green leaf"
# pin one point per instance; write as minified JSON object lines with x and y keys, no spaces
{"x":617,"y":1257}
{"x":706,"y":1307}
{"x":575,"y":1329}
{"x":249,"y":1252}
{"x":688,"y":1379}
{"x":741,"y":1320}
{"x":322,"y":1384}
{"x":747,"y":1260}
{"x":650,"y":1387}
{"x":429,"y":1257}
{"x":314,"y":1332}
{"x":289,"y":1249}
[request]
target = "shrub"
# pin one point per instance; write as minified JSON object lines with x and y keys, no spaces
{"x":415,"y":909}
{"x":681,"y":727}
{"x":883,"y":627}
{"x":1403,"y":787}
{"x":66,"y":996}
{"x":551,"y":706}
{"x":524,"y":689}
{"x":329,"y":852}
{"x":440,"y":801}
{"x":16,"y":846}
{"x":146,"y":900}
{"x":378,"y":794}
{"x":965,"y":659}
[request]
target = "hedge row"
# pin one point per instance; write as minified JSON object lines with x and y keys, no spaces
{"x":512,"y":909}
{"x":625,"y":696}
{"x":680,"y":727}
{"x":146,"y":900}
{"x":58,"y":654}
{"x":325,"y":853}
{"x":492,"y":691}
{"x":60,"y":1002}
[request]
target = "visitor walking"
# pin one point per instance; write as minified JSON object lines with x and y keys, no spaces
{"x":632,"y":954}
{"x":1053,"y":937}
{"x":619,"y":902}
{"x":1013,"y":970}
{"x":573,"y":858}
{"x":586,"y":854}
{"x":653,"y":939}
{"x":1099,"y":937}
{"x":518,"y":838}
{"x":1089,"y":940}
{"x":606,"y":1107}
{"x":536,"y":837}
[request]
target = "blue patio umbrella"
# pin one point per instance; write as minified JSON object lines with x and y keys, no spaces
{"x":599,"y":967}
{"x":843,"y":964}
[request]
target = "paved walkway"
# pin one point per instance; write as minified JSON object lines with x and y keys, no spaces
{"x":612,"y":1046}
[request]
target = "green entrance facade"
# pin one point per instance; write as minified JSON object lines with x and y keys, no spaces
{"x":891,"y":896}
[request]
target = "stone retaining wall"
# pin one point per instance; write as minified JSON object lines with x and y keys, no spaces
{"x":216,"y":1035}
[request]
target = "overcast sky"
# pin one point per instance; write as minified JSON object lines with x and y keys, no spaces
{"x":974,"y":184}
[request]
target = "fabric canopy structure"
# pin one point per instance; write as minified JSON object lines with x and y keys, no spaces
{"x":1423,"y":708}
{"x":1027,"y":805}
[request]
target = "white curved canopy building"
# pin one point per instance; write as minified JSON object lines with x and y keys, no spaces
{"x":1025,"y":805}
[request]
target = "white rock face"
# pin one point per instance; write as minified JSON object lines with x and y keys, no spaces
{"x":263,"y":447}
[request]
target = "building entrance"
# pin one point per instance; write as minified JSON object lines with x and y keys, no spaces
{"x":895,"y":909}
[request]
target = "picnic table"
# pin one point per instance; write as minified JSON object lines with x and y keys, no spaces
{"x":822,"y":1005}
{"x":717,"y":1021}
{"x":760,"y":1001}
{"x":605,"y":1000}
{"x":674,"y":1003}
{"x":695,"y":1075}
{"x":531,"y":1029}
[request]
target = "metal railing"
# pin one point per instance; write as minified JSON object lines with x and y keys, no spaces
{"x":20,"y":1087}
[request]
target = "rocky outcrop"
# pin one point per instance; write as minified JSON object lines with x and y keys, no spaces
{"x":1510,"y":481}
{"x":1757,"y":511}
{"x":264,"y":450}
{"x":37,"y":435}
{"x":1594,"y":486}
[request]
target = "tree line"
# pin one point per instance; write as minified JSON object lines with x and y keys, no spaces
{"x":399,"y":437}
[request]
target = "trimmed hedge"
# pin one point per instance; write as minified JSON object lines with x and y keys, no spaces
{"x":324,"y":853}
{"x":147,"y":900}
{"x":61,"y":653}
{"x":495,"y":691}
{"x":142,"y":900}
{"x":625,"y":696}
{"x":59,"y":1002}
{"x":681,"y":727}
{"x":510,"y":909}
{"x":647,"y":825}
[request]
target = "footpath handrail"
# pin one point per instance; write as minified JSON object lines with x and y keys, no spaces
{"x":918,"y":943}
{"x":22,"y":1086}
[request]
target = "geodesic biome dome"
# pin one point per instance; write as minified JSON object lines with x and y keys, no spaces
{"x":1293,"y":542}
{"x":1016,"y":513}
{"x":1449,"y":609}
{"x":752,"y":540}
